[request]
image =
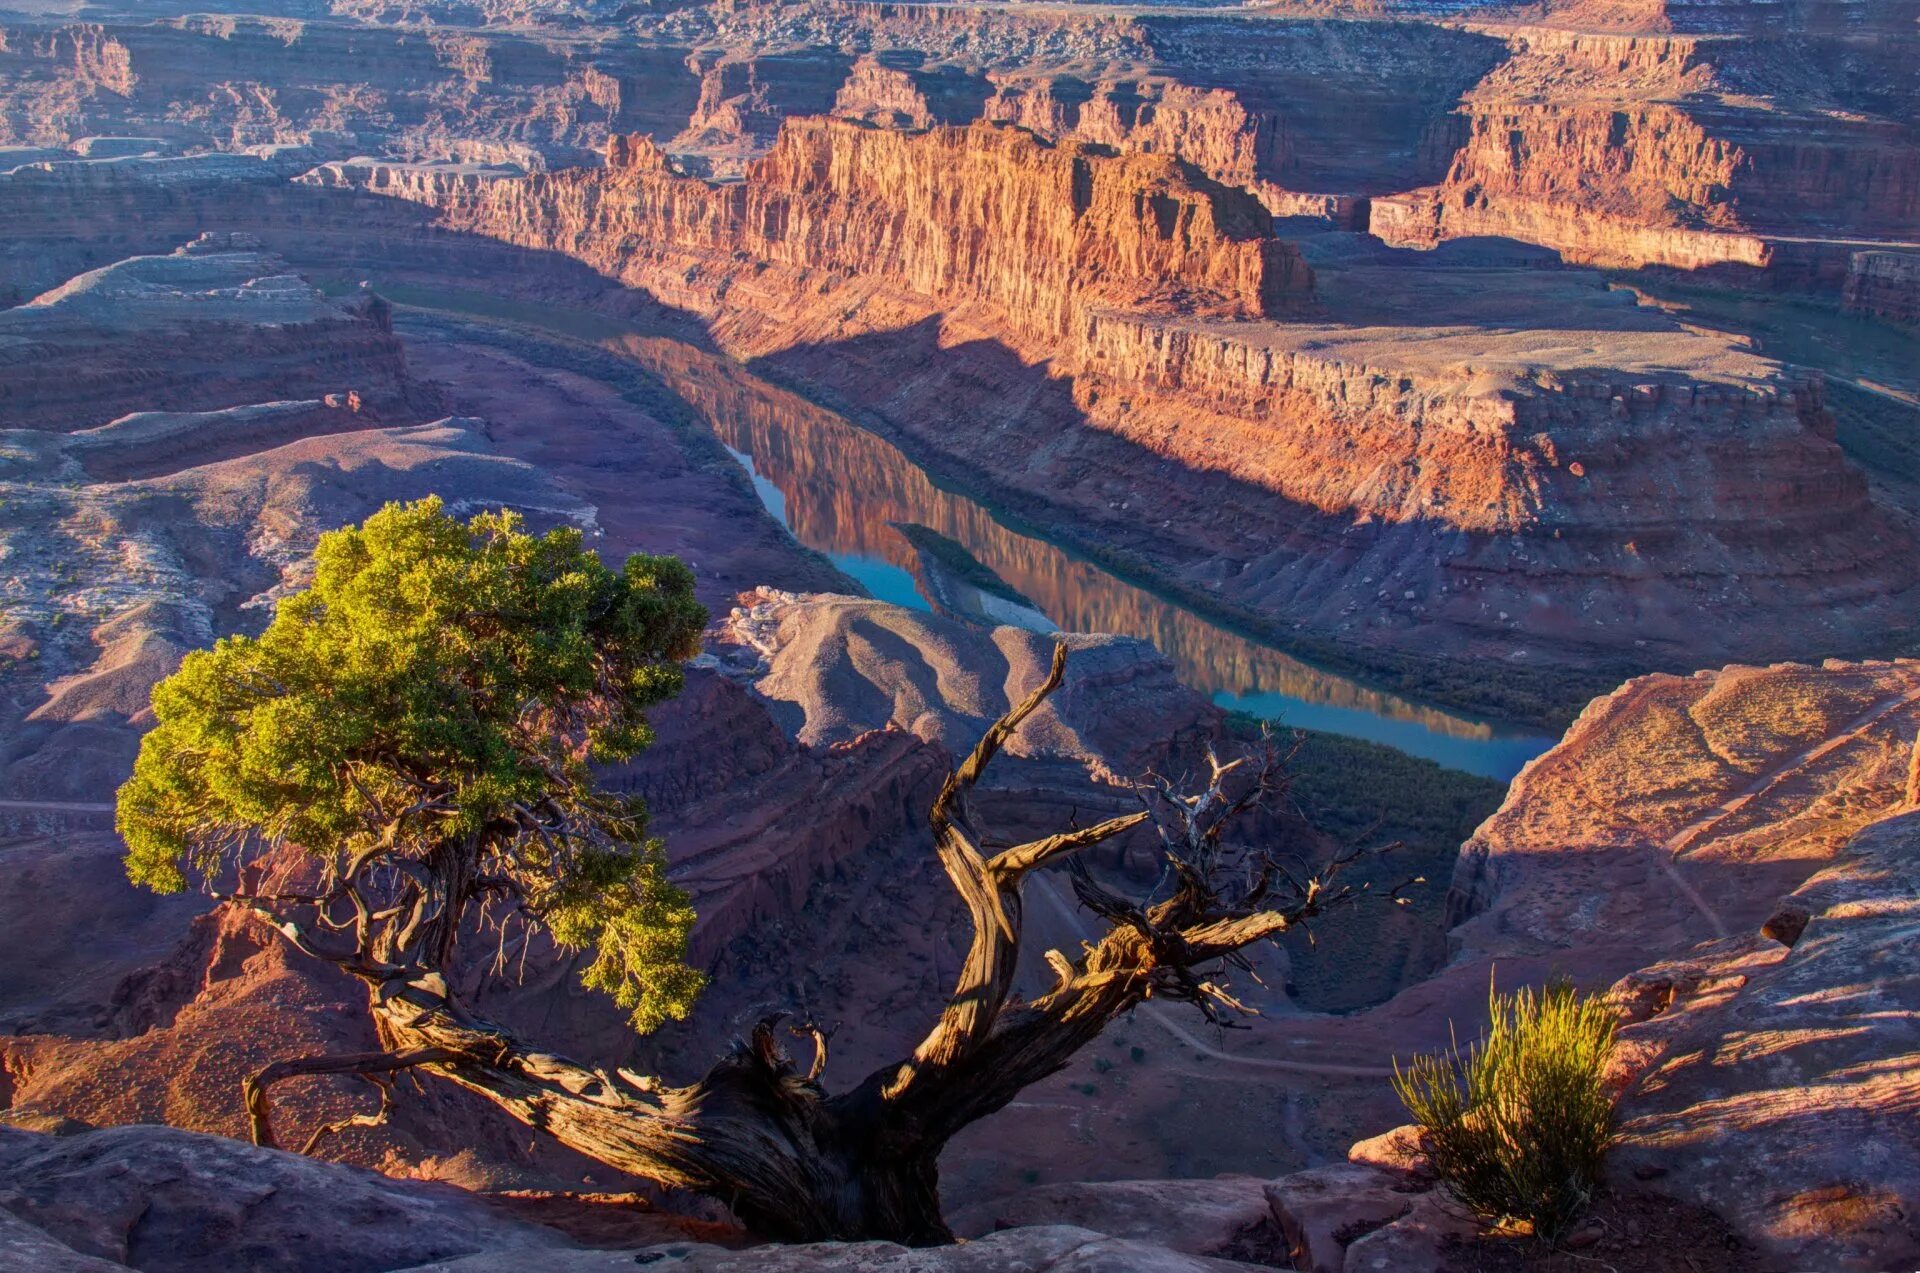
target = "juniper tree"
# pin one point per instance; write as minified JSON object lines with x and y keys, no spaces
{"x":422,"y":722}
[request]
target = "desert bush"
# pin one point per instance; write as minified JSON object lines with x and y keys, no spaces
{"x":1518,"y":1124}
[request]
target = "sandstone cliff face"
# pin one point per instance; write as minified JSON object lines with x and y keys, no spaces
{"x":898,"y":90}
{"x":1540,"y":456}
{"x":1619,"y":136}
{"x":1670,"y":150}
{"x":743,"y":100}
{"x":976,"y":215}
{"x":1212,"y":129}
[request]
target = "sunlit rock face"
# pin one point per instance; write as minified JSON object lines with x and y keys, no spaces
{"x":1117,"y":337}
{"x":977,"y":215}
{"x":1777,"y":1084}
{"x":1679,"y":809}
{"x":1738,"y":848}
{"x":1682,"y":138}
{"x":1026,"y":253}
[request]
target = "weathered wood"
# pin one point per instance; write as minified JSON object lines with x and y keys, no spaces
{"x":793,"y":1161}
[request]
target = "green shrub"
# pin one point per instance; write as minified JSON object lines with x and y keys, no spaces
{"x":1518,"y":1125}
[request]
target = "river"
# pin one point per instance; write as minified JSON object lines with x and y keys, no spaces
{"x":851,"y":495}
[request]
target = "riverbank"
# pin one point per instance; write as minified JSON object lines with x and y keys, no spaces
{"x":844,"y":491}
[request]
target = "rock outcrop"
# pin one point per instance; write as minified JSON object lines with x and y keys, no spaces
{"x":1751,"y":831}
{"x":1048,"y":1249}
{"x":979,"y":215}
{"x":234,"y":80}
{"x":207,"y":328}
{"x":1680,"y":151}
{"x":1216,"y":1218}
{"x":1679,"y":809}
{"x":163,"y":1200}
{"x":838,"y":667}
{"x":1885,"y":285}
{"x":1775,"y":1075}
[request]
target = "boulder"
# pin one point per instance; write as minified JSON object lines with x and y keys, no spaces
{"x":165,"y":1200}
{"x":1227,"y":1216}
{"x":24,"y":1247}
{"x":1325,"y":1210}
{"x":1401,"y":1150}
{"x":1417,"y":1242}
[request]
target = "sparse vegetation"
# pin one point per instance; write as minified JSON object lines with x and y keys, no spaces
{"x":1518,"y":1125}
{"x":422,"y":722}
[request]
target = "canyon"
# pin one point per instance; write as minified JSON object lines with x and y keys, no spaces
{"x":1452,"y":380}
{"x":1550,"y":459}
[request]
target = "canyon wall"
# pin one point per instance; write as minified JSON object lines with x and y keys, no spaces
{"x":1648,"y":149}
{"x":234,"y":81}
{"x":976,"y":215}
{"x":1065,"y":324}
{"x":1620,"y":138}
{"x":1885,"y":285}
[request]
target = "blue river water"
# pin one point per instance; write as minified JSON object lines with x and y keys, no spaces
{"x":852,"y":496}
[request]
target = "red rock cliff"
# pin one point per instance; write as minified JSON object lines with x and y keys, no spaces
{"x":1095,"y":333}
{"x":959,"y":215}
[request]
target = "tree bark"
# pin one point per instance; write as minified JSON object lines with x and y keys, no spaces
{"x":794,"y":1162}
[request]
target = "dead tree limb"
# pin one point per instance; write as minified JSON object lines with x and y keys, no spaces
{"x":795,"y":1161}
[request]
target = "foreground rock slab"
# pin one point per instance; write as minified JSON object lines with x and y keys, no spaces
{"x":1049,"y":1249}
{"x":163,"y":1200}
{"x":1781,"y":1087}
{"x":24,"y":1247}
{"x":1225,"y":1218}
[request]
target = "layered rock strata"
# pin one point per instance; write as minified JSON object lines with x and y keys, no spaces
{"x":977,"y":215}
{"x":1885,"y":285}
{"x":209,"y":327}
{"x":1541,"y":457}
{"x":232,"y":81}
{"x":1682,"y":151}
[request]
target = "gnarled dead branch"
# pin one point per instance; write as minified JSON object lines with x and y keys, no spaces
{"x":795,"y":1161}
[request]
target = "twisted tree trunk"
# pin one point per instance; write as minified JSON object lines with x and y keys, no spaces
{"x":794,"y":1162}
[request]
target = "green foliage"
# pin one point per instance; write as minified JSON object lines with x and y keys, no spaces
{"x":441,"y":683}
{"x":1518,"y":1125}
{"x":1361,"y":793}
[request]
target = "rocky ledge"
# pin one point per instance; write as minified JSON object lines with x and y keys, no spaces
{"x":217,"y":324}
